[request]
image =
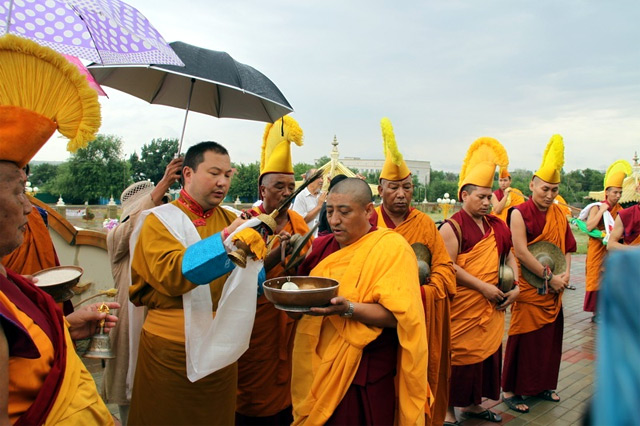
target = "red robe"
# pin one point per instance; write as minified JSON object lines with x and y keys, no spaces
{"x":630,"y":218}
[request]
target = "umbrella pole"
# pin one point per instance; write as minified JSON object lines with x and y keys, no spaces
{"x":9,"y":13}
{"x":184,"y":125}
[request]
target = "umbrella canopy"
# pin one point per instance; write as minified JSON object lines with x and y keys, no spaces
{"x":211,"y":83}
{"x":102,"y":31}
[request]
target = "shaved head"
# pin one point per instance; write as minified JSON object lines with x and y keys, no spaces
{"x":357,"y":189}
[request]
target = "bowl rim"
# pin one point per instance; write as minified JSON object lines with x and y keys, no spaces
{"x":302,"y":290}
{"x":55,"y":268}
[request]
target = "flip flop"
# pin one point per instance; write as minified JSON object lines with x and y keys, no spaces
{"x":487,"y":415}
{"x":548,"y":395}
{"x":456,"y":423}
{"x":513,"y":403}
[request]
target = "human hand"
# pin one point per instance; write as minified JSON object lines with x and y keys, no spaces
{"x":172,"y":172}
{"x":492,"y":293}
{"x":339,"y":305}
{"x":235,"y":224}
{"x":511,"y":297}
{"x":604,"y":207}
{"x":507,"y":191}
{"x":321,"y":198}
{"x":85,"y":322}
{"x":33,"y":280}
{"x":558,"y":283}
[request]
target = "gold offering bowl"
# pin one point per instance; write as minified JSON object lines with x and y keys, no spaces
{"x":312,"y":292}
{"x":58,"y":281}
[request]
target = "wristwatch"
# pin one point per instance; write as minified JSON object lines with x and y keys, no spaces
{"x":349,"y":312}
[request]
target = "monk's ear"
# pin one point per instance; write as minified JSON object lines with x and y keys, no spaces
{"x":380,"y":189}
{"x":368,"y":209}
{"x":532,"y":185}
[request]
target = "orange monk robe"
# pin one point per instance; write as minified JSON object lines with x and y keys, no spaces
{"x":532,"y":310}
{"x":327,"y":350}
{"x":420,"y":228}
{"x":264,"y":370}
{"x":36,"y":252}
{"x":562,"y":203}
{"x":77,"y":403}
{"x":476,"y":326}
{"x":162,"y":393}
{"x":594,"y":264}
{"x":514,"y":198}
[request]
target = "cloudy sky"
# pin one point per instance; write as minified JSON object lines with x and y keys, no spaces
{"x":444,"y":72}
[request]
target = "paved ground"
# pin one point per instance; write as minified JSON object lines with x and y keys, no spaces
{"x":576,"y":370}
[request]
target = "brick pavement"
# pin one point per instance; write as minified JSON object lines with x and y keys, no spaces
{"x":576,"y":370}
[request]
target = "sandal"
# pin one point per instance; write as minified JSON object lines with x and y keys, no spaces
{"x":487,"y":415}
{"x":513,"y":403}
{"x":548,"y":395}
{"x":456,"y":423}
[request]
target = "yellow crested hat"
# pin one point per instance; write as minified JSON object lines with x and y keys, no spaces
{"x":40,"y":92}
{"x":616,"y":173}
{"x":552,"y":160}
{"x":479,"y":166}
{"x":276,"y":146}
{"x":504,"y":173}
{"x":394,"y":167}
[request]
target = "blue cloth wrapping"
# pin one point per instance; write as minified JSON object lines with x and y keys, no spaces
{"x":206,"y":260}
{"x":262,"y":277}
{"x":618,"y":341}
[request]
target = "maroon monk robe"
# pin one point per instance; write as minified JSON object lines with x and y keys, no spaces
{"x":499,"y":193}
{"x":470,"y":383}
{"x":630,"y":218}
{"x":47,"y":315}
{"x":532,"y":360}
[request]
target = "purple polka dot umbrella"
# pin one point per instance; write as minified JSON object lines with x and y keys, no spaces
{"x":102,"y":31}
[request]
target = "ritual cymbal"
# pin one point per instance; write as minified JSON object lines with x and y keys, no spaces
{"x":549,"y":255}
{"x":505,"y":278}
{"x":298,"y":244}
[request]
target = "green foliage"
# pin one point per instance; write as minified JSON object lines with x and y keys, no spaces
{"x":301,"y":168}
{"x":93,"y":172}
{"x":153,"y":160}
{"x":441,"y":183}
{"x":245,"y":182}
{"x":43,"y":174}
{"x":321,"y":161}
{"x":576,"y":184}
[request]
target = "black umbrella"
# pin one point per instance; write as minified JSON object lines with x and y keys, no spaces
{"x":211,"y":82}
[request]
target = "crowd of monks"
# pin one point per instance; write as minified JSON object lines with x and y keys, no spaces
{"x":393,"y":347}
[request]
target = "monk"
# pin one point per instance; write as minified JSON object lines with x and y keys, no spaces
{"x":135,"y":199}
{"x":537,"y":320}
{"x":505,"y":196}
{"x":161,"y":275}
{"x":42,"y":379}
{"x":363,"y":359}
{"x":596,"y":250}
{"x":626,"y":228}
{"x":395,"y":212}
{"x":478,"y":244}
{"x":264,"y":371}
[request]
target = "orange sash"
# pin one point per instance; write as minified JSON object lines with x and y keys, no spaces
{"x":532,"y":311}
{"x":476,"y":326}
{"x":327,"y":350}
{"x":596,"y":252}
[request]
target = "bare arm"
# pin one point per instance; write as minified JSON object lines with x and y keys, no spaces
{"x":498,"y":206}
{"x":595,"y":216}
{"x":519,"y":238}
{"x":4,"y":379}
{"x":491,"y":292}
{"x":171,"y":175}
{"x":616,"y":234}
{"x":372,"y":314}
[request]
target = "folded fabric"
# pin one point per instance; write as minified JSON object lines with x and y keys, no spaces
{"x":253,"y":240}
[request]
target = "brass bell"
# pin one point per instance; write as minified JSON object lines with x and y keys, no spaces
{"x":100,"y":345}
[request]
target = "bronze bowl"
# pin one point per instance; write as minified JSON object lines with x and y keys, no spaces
{"x":312,"y":292}
{"x":58,"y":281}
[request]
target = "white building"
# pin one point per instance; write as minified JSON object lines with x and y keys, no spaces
{"x":421,"y":169}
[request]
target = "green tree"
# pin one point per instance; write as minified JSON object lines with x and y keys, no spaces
{"x":93,"y":172}
{"x":244,"y":184}
{"x":321,"y":161}
{"x":442,"y":182}
{"x":43,"y":174}
{"x":153,"y":159}
{"x":301,"y":168}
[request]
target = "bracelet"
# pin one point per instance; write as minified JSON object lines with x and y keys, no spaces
{"x":547,"y":274}
{"x":350,"y":310}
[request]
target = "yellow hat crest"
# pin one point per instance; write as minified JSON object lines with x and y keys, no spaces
{"x":479,"y":166}
{"x":504,"y":173}
{"x":395,"y":168}
{"x":552,"y":160}
{"x":276,"y":145}
{"x":616,"y":173}
{"x":40,"y":91}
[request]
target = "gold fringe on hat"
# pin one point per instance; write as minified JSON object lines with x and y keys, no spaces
{"x":395,"y":168}
{"x":38,"y":79}
{"x":276,"y":145}
{"x":616,"y":173}
{"x":479,"y":166}
{"x":552,"y":160}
